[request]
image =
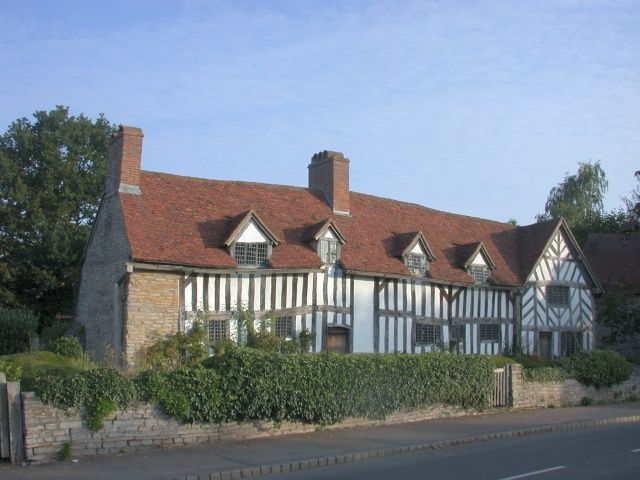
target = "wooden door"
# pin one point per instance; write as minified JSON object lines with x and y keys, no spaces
{"x":544,"y":342}
{"x":337,"y":340}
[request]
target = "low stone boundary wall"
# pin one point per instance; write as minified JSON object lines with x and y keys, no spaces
{"x":568,"y":392}
{"x":48,"y":428}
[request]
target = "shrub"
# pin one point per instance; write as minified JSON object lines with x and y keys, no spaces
{"x":327,"y":388}
{"x":499,"y":361}
{"x":64,"y":453}
{"x":38,"y":364}
{"x":13,"y":373}
{"x":97,"y":392}
{"x":16,"y":327}
{"x":67,"y":347}
{"x":600,"y":368}
{"x":180,"y":350}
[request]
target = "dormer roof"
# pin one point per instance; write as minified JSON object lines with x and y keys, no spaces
{"x":469,"y":252}
{"x":318,"y":230}
{"x":242,"y":221}
{"x":406,"y":242}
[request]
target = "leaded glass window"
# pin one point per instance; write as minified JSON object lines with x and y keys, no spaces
{"x":328,"y":250}
{"x":251,"y":254}
{"x":417,"y":263}
{"x":480,"y":273}
{"x":428,"y":334}
{"x":558,"y":295}
{"x":283,"y":327}
{"x":218,"y":330}
{"x":489,"y":332}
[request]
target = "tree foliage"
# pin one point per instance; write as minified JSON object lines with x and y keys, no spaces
{"x":578,"y":197}
{"x":52,"y":175}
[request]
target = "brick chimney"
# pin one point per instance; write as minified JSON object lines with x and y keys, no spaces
{"x":125,"y":154}
{"x":329,"y":174}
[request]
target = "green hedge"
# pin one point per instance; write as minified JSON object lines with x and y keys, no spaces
{"x":600,"y":368}
{"x":250,"y":384}
{"x":16,"y":326}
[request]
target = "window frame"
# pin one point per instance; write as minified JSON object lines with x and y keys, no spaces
{"x":558,"y":296}
{"x":332,"y":247}
{"x":488,"y":337}
{"x":423,"y":264}
{"x":479,"y":279}
{"x":431,"y":336}
{"x":570,"y":343}
{"x":244,"y":259}
{"x":286,"y":332}
{"x":223,"y":325}
{"x":461,"y":338}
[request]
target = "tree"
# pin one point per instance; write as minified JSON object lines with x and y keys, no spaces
{"x":52,"y":175}
{"x":578,"y":197}
{"x":579,"y":200}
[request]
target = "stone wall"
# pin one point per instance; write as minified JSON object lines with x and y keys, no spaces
{"x":48,"y":428}
{"x":104,"y":268}
{"x":152,"y":309}
{"x":568,"y":392}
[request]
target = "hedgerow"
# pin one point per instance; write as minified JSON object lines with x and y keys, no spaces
{"x":600,"y":368}
{"x":250,"y":384}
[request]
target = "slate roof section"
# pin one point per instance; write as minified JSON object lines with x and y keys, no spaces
{"x":615,"y":259}
{"x":185,"y":221}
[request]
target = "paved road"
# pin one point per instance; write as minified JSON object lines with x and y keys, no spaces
{"x":610,"y":452}
{"x":226,"y":456}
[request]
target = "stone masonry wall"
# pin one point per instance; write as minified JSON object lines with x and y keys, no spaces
{"x":48,"y":428}
{"x":569,"y":392}
{"x":152,"y":309}
{"x":104,"y":265}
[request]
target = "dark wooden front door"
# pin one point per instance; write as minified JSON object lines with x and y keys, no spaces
{"x":545,"y":344}
{"x":337,"y":340}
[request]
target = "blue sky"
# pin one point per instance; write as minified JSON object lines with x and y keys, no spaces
{"x":471,"y":107}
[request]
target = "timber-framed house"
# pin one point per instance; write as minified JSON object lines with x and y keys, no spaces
{"x":363,"y":273}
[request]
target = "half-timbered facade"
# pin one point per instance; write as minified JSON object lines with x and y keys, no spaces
{"x":363,"y":273}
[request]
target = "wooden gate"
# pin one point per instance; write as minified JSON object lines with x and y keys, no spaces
{"x":500,"y":394}
{"x":11,"y":436}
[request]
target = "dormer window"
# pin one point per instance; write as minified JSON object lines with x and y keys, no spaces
{"x":251,"y":253}
{"x":415,"y":252}
{"x":251,"y":242}
{"x":478,"y":262}
{"x":417,"y":263}
{"x":328,"y":248}
{"x":480,"y":273}
{"x":327,"y":241}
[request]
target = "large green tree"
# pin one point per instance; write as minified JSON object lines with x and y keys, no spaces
{"x":52,"y":175}
{"x":579,"y":199}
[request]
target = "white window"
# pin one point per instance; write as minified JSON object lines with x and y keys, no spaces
{"x":558,"y":295}
{"x":428,"y":334}
{"x":417,"y":263}
{"x":328,"y":250}
{"x":480,"y":273}
{"x":252,"y":254}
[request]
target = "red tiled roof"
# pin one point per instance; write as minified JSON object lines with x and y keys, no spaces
{"x":185,"y":221}
{"x":615,"y":259}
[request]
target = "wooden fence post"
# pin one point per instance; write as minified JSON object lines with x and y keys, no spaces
{"x":4,"y":418}
{"x":16,"y":436}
